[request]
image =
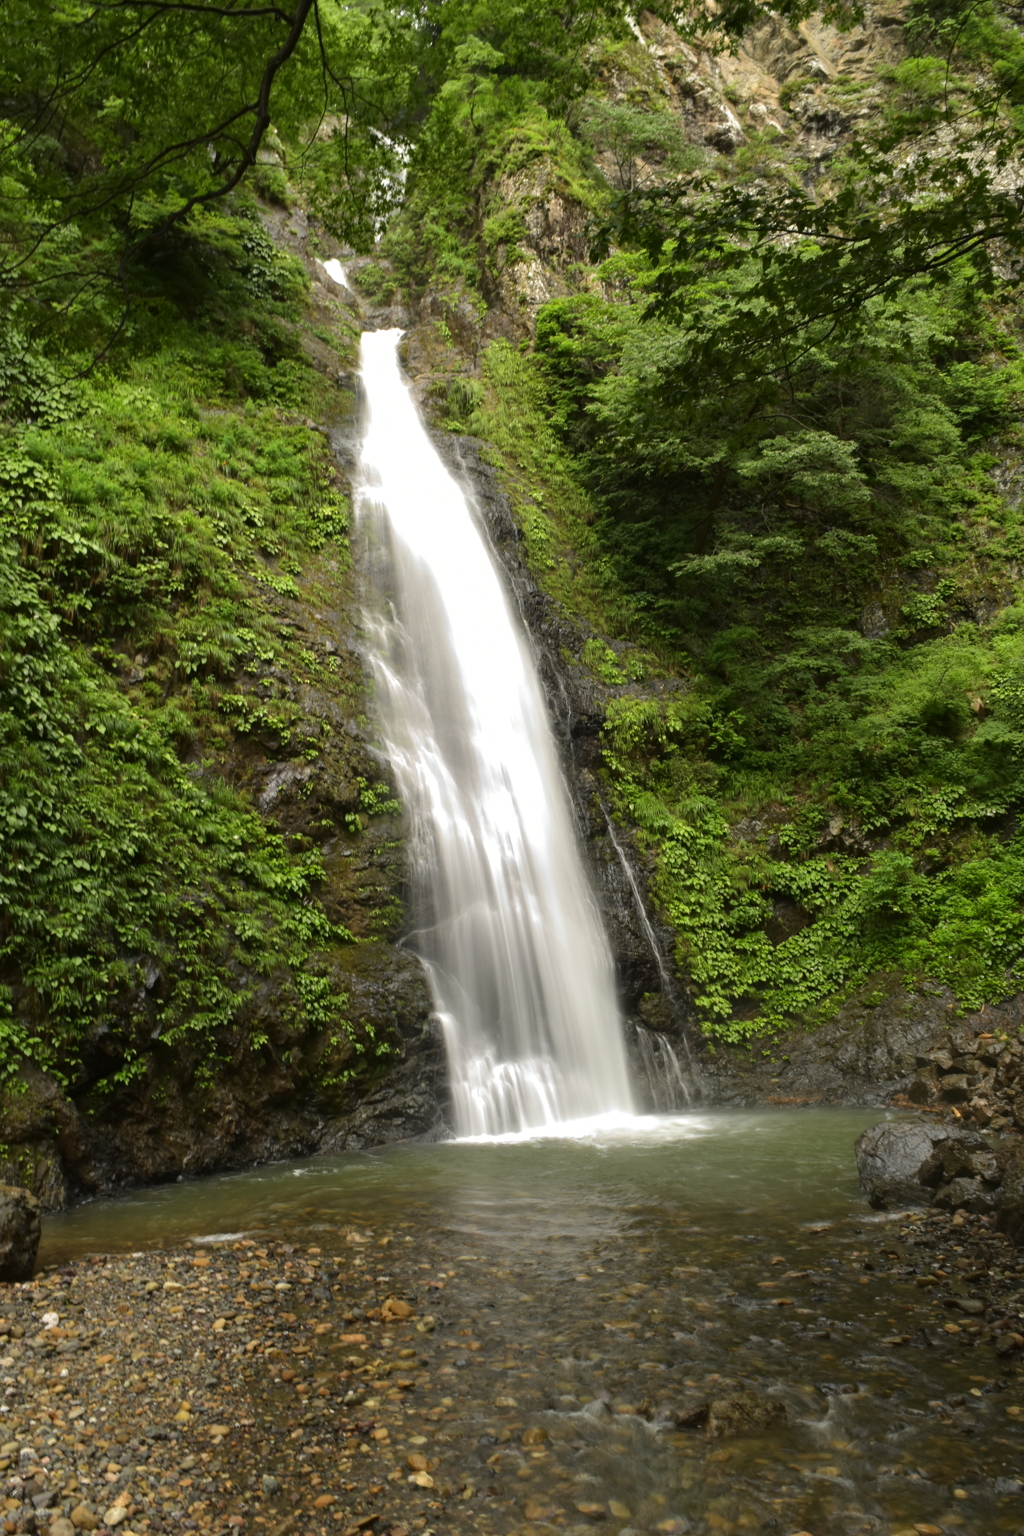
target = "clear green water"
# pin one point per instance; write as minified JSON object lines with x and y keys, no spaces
{"x":655,"y":1264}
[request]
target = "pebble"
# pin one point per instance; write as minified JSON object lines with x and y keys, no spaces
{"x":338,"y":1406}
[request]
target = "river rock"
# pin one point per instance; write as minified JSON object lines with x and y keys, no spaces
{"x":965,"y":1194}
{"x":19,"y":1232}
{"x":891,"y":1159}
{"x":743,"y":1413}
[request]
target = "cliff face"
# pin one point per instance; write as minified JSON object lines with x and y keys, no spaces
{"x":779,"y":84}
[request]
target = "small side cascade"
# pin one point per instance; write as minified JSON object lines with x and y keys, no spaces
{"x":669,"y":1086}
{"x":691,"y":1078}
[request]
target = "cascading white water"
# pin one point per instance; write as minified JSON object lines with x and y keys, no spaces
{"x":518,"y":963}
{"x":335,"y":271}
{"x":667,"y":1083}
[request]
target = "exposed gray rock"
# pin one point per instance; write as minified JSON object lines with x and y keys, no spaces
{"x":20,"y":1230}
{"x":966,"y":1195}
{"x":894,"y":1159}
{"x":887,"y":1044}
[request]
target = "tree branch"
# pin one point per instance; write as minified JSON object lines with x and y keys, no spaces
{"x":261,"y":111}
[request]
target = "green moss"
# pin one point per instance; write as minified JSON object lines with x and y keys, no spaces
{"x":553,"y":509}
{"x":153,"y":515}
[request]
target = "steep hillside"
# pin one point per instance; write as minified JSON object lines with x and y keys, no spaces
{"x":203,"y":866}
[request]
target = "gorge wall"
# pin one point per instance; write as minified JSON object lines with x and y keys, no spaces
{"x":707,"y":610}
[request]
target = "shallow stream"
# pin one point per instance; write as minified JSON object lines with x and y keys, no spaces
{"x":601,"y":1289}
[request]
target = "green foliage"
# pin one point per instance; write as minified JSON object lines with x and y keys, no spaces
{"x":374,"y":800}
{"x":758,"y":449}
{"x":784,"y":413}
{"x":119,"y":864}
{"x":145,"y":512}
{"x":376,"y":281}
{"x":463,"y":399}
{"x":645,"y":146}
{"x":731,"y":18}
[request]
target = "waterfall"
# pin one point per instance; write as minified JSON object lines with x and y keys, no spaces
{"x":335,"y":271}
{"x":508,"y":931}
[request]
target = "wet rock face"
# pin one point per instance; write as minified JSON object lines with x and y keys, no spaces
{"x":866,"y":1055}
{"x":889,"y":1045}
{"x":296,"y":1093}
{"x":19,"y":1232}
{"x":895,"y":1163}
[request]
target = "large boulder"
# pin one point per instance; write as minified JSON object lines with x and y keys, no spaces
{"x":20,"y":1229}
{"x":911,"y":1163}
{"x":897,"y":1163}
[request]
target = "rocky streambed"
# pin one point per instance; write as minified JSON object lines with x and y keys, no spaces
{"x":694,"y":1326}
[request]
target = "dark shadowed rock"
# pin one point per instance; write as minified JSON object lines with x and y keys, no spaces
{"x":966,"y":1195}
{"x":19,"y":1232}
{"x":693,"y":1415}
{"x":303,"y":1091}
{"x":1010,"y":1218}
{"x":966,"y":1155}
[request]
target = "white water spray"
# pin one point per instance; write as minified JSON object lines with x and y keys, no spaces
{"x":519,"y":966}
{"x":335,"y":271}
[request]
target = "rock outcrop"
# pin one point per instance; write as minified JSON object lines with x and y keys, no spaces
{"x":888,"y":1044}
{"x":293,"y":1095}
{"x":20,"y":1230}
{"x":906,"y":1163}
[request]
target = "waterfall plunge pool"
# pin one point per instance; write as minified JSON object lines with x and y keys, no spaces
{"x":600,"y":1288}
